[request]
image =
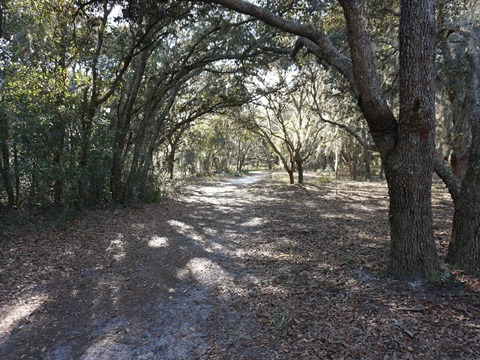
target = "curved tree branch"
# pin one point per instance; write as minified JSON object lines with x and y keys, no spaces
{"x":315,"y":40}
{"x":445,"y":173}
{"x":360,"y":71}
{"x":371,"y":147}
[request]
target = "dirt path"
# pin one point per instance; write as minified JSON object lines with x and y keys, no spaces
{"x":231,"y":270}
{"x":156,"y":282}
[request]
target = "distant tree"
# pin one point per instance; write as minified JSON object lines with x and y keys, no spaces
{"x":353,"y":143}
{"x":268,"y":127}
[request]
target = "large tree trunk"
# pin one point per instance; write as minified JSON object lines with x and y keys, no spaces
{"x":407,"y":149}
{"x":412,"y":250}
{"x":409,"y":169}
{"x":464,"y":248}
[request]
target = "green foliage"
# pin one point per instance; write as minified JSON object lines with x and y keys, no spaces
{"x":324,"y":178}
{"x":80,"y":84}
{"x":85,"y":89}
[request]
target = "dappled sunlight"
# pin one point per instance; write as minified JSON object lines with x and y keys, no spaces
{"x":186,"y":230}
{"x":117,"y":247}
{"x":343,"y":216}
{"x":19,"y":309}
{"x":158,"y":242}
{"x":139,"y":226}
{"x":115,"y":292}
{"x":256,"y":221}
{"x":215,"y":247}
{"x":206,"y":272}
{"x":222,"y":195}
{"x":209,"y":231}
{"x":212,"y":190}
{"x":366,"y":207}
{"x":299,"y":267}
{"x":111,"y":339}
{"x":253,"y":178}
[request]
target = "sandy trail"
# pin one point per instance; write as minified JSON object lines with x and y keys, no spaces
{"x":162,"y":282}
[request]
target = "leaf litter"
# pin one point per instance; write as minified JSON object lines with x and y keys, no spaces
{"x":244,"y":270}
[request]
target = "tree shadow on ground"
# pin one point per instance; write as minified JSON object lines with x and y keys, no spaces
{"x":230,"y":270}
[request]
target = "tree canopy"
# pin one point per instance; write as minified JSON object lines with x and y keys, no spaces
{"x":102,"y":101}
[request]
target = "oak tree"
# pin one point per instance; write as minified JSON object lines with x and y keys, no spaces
{"x":406,"y":143}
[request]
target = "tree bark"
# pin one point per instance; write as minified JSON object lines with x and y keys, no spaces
{"x":146,"y":167}
{"x":367,"y":158}
{"x":58,"y":161}
{"x":458,"y":111}
{"x":60,"y":126}
{"x":406,"y":148}
{"x":291,"y":177}
{"x":5,"y":165}
{"x":445,"y":173}
{"x":409,"y":169}
{"x":464,"y":248}
{"x":171,"y":164}
{"x":171,"y":158}
{"x":94,"y":97}
{"x":299,"y":163}
{"x":87,"y":124}
{"x":16,"y":172}
{"x":138,"y":149}
{"x":122,"y":126}
{"x":9,"y":177}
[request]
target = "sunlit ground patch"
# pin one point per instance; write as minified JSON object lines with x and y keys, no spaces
{"x":117,"y":247}
{"x":158,"y":242}
{"x":256,"y":221}
{"x":11,"y":314}
{"x":185,"y":229}
{"x":205,"y":271}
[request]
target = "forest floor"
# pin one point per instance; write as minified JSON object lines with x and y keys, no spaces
{"x":248,"y":268}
